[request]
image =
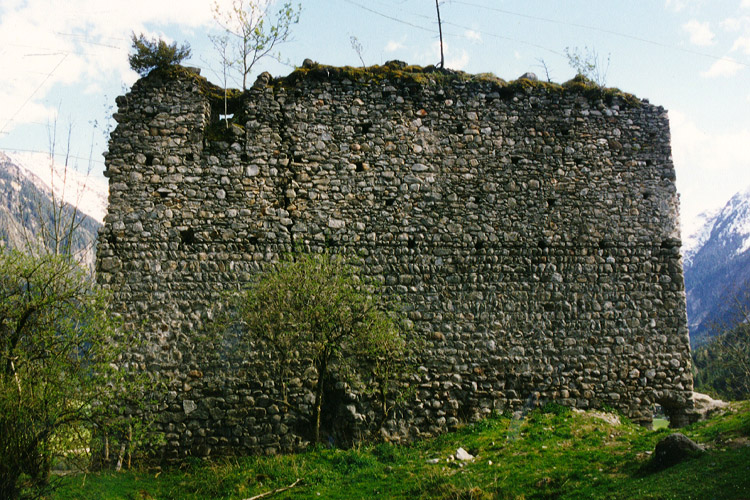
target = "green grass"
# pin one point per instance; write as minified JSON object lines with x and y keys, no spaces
{"x":559,"y":454}
{"x":660,"y":423}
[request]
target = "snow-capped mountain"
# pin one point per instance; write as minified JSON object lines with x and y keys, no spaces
{"x":85,"y":191}
{"x":695,"y":236}
{"x":27,"y":184}
{"x":716,"y":262}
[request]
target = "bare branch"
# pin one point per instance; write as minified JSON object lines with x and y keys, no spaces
{"x":357,"y":48}
{"x":254,"y":33}
{"x":276,"y":491}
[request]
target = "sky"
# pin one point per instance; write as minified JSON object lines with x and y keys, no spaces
{"x":65,"y":62}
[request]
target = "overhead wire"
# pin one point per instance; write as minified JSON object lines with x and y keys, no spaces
{"x":55,"y":51}
{"x":75,"y":157}
{"x":468,"y":3}
{"x":80,"y":38}
{"x":49,"y":75}
{"x":454,"y":35}
{"x":392,"y":18}
{"x":543,"y":19}
{"x":51,"y":52}
{"x":601,"y":30}
{"x":502,"y":37}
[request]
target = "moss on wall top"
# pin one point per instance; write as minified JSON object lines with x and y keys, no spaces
{"x":394,"y":71}
{"x":398,"y":71}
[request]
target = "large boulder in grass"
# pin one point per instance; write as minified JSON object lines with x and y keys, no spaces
{"x":674,"y":449}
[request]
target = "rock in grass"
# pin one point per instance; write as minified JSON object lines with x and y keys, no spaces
{"x":705,"y":405}
{"x":463,"y":455}
{"x":674,"y":449}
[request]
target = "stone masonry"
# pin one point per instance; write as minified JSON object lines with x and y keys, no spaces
{"x":530,"y":230}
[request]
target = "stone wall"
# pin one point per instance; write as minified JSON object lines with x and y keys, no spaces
{"x":530,"y":229}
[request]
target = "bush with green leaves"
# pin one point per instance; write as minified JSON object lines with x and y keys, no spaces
{"x":313,"y":311}
{"x":58,"y":376}
{"x":149,"y":54}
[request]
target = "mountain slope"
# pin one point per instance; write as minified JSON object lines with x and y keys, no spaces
{"x":86,"y":192}
{"x":28,"y":208}
{"x":717,"y":269}
{"x":695,"y":237}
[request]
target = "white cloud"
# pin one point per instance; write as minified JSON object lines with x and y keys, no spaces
{"x":733,"y":24}
{"x":14,"y":112}
{"x":742,"y":44}
{"x":679,"y":5}
{"x":473,"y":35}
{"x":675,"y":5}
{"x":725,"y":67}
{"x":711,"y":166}
{"x":457,"y":61}
{"x":700,"y":33}
{"x":78,"y":41}
{"x":454,"y":59}
{"x":739,"y":25}
{"x":393,"y":46}
{"x":745,"y":4}
{"x":93,"y":89}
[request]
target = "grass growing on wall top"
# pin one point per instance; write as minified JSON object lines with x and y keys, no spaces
{"x":553,"y":454}
{"x":392,"y":71}
{"x":429,"y":76}
{"x":411,"y":75}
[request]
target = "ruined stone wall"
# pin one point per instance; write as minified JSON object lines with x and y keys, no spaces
{"x":531,"y":230}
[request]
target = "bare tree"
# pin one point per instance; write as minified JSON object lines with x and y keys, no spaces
{"x":221,"y":44}
{"x":252,"y":34}
{"x":588,"y":63}
{"x":56,"y":226}
{"x":357,"y":46}
{"x":543,"y":64}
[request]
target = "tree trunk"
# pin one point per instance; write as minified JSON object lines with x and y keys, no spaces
{"x":316,"y":424}
{"x":120,"y":457}
{"x":322,"y":373}
{"x":383,"y":406}
{"x":130,"y":445}
{"x":9,"y":485}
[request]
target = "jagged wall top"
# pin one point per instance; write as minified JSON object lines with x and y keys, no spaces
{"x":398,"y":71}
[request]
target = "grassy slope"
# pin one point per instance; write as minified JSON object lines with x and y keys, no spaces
{"x":560,"y":454}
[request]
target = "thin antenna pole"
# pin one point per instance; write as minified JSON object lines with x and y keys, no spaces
{"x":440,"y":29}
